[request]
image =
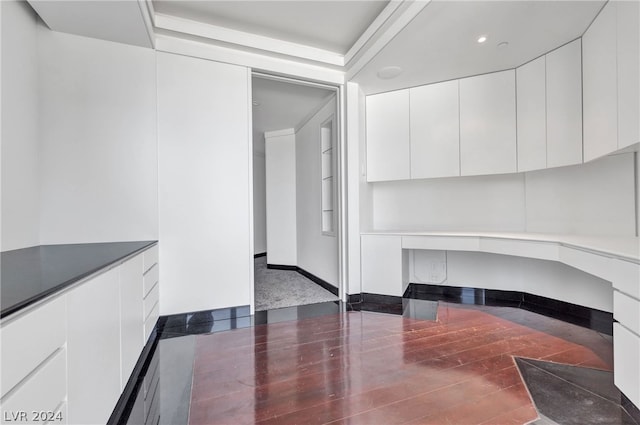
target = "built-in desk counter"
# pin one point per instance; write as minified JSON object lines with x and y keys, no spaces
{"x":540,"y":270}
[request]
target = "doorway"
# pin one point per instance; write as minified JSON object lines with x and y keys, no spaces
{"x":295,"y":192}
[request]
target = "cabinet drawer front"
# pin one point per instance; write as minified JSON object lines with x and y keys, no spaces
{"x":151,"y":300}
{"x":29,"y":340}
{"x":626,"y":310}
{"x":626,"y":352}
{"x":150,"y":257}
{"x":626,"y":277}
{"x":150,"y":322}
{"x":150,"y":279}
{"x":44,"y":391}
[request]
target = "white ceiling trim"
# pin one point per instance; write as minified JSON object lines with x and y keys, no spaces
{"x":259,"y":62}
{"x":375,"y":26}
{"x":213,"y":32}
{"x":146,"y":10}
{"x":311,"y":114}
{"x":279,"y":133}
{"x":401,"y":18}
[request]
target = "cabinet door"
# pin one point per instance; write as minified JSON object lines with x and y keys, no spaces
{"x":599,"y":75}
{"x":131,"y":315}
{"x":488,"y":124}
{"x":388,"y":155}
{"x":626,"y":357}
{"x":531,"y":115}
{"x":564,"y":105}
{"x":435,"y":130}
{"x":382,"y":268}
{"x":93,"y":346}
{"x":628,"y":38}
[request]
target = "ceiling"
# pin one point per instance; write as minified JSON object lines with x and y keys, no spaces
{"x":330,"y":25}
{"x":440,"y":43}
{"x":282,"y":105}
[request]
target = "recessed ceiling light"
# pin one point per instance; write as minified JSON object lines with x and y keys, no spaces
{"x":503,"y":45}
{"x":389,"y":72}
{"x":482,"y":39}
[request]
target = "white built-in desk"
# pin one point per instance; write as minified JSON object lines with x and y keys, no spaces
{"x":616,"y":260}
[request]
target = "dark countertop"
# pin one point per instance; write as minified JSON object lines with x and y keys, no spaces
{"x":31,"y":274}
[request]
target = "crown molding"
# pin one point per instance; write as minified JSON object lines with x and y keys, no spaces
{"x":267,"y":44}
{"x":259,"y":62}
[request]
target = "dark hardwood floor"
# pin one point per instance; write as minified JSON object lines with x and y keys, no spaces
{"x":371,"y":368}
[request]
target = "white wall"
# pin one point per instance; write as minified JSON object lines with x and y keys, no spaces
{"x":317,"y":253}
{"x":490,"y":203}
{"x":19,"y":151}
{"x":98,"y":151}
{"x":596,"y":198}
{"x":204,"y":147}
{"x":280,"y":165}
{"x":259,"y":204}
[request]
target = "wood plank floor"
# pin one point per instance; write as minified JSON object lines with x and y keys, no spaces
{"x":370,"y":368}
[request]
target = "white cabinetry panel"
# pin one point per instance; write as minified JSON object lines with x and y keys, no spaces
{"x":599,"y":75}
{"x":628,"y":49}
{"x":531,"y":115}
{"x":382,"y":264}
{"x":435,"y":130}
{"x":388,"y":150}
{"x":488,"y":124}
{"x":131,"y":315}
{"x":45,"y":390}
{"x":564,"y":105}
{"x":626,"y":352}
{"x":45,"y":331}
{"x":94,"y":349}
{"x":626,"y":310}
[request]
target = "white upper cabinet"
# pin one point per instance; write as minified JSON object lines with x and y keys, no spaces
{"x":435,"y":130}
{"x":564,"y":105}
{"x":488,"y":124}
{"x":388,"y":146}
{"x":599,"y":75}
{"x":531,"y":116}
{"x":628,"y":49}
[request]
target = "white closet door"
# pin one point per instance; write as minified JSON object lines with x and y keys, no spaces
{"x":531,"y":115}
{"x":599,"y":75}
{"x":435,"y":130}
{"x":628,"y":71}
{"x":488,"y":124}
{"x":564,"y":105}
{"x":388,"y":150}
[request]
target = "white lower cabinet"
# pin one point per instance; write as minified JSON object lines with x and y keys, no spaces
{"x":94,"y":349}
{"x":131,"y":316}
{"x":68,"y":360}
{"x":382,"y":264}
{"x":38,"y":399}
{"x":626,"y":352}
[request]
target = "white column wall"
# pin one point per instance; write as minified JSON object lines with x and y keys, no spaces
{"x":20,"y":169}
{"x":259,"y":204}
{"x":98,"y":147}
{"x":280,"y":166}
{"x":204,"y":150}
{"x":317,"y":253}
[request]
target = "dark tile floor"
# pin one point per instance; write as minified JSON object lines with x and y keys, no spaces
{"x":437,"y":363}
